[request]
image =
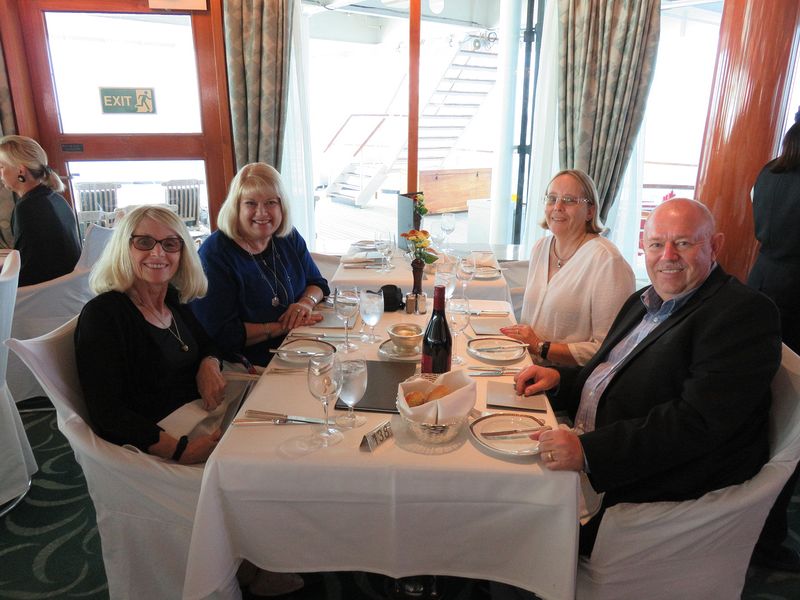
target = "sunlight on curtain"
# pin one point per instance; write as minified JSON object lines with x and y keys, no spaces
{"x":545,"y":131}
{"x":296,"y":161}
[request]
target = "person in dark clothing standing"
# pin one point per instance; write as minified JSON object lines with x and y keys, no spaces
{"x":43,"y":224}
{"x":776,"y":273}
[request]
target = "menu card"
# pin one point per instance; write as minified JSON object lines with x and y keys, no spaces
{"x":382,"y":381}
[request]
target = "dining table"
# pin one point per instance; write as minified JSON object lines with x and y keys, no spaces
{"x":401,"y":508}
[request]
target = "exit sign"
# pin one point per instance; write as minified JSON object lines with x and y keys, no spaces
{"x":128,"y":100}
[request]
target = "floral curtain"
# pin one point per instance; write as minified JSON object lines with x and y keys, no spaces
{"x":607,"y":59}
{"x":6,"y":127}
{"x":257,"y":43}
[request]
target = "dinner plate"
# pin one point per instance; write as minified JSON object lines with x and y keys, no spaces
{"x":290,"y":351}
{"x":487,"y":273}
{"x":387,"y":350}
{"x":520,"y":445}
{"x":515,"y":352}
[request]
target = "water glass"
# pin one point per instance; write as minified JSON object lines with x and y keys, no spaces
{"x":345,"y":302}
{"x":457,"y":311}
{"x":354,"y":384}
{"x":325,"y":384}
{"x":465,"y":272}
{"x":370,"y":305}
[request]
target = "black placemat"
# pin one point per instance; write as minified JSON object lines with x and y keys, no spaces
{"x":382,"y":381}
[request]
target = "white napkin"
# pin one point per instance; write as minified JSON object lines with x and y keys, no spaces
{"x":361,"y":257}
{"x":193,"y":420}
{"x":484,"y":259}
{"x":455,"y":405}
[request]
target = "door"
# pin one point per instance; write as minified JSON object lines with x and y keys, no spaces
{"x":130,"y":103}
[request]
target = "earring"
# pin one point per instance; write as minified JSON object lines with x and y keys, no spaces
{"x":21,"y":178}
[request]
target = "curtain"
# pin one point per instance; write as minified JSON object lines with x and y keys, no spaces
{"x":6,"y":127}
{"x":257,"y":45}
{"x":607,"y":59}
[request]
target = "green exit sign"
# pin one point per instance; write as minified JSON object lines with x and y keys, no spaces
{"x":128,"y":100}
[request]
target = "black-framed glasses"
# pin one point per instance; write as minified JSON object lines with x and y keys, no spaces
{"x":551,"y":199}
{"x":168,"y":244}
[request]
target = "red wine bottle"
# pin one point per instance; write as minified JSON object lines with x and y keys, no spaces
{"x":437,"y":343}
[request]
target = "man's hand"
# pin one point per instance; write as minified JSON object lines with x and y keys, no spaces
{"x":560,"y":449}
{"x":536,"y":379}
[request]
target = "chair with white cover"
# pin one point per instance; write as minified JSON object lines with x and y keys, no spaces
{"x":516,"y":274}
{"x":93,"y":245}
{"x":696,"y":548}
{"x":145,"y":505}
{"x":327,"y":264}
{"x":98,"y":196}
{"x":18,"y":464}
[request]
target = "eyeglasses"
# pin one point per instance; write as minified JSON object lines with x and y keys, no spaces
{"x":680,"y":246}
{"x":551,"y":199}
{"x":146,"y":242}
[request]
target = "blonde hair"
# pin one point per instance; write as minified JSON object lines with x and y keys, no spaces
{"x":253,"y":179}
{"x":114,"y":268}
{"x":21,"y":151}
{"x":589,"y":191}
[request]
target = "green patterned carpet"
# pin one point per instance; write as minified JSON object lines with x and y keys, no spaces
{"x":49,"y":547}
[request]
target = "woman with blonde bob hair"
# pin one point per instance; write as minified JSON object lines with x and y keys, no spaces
{"x":43,"y":225}
{"x":141,"y":353}
{"x":262,"y":281}
{"x":577,"y":280}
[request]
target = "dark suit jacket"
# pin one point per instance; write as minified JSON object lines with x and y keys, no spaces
{"x":686,"y":412}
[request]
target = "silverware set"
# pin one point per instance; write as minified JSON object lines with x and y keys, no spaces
{"x":493,"y":371}
{"x":262,"y":417}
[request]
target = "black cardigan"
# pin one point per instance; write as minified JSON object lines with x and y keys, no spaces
{"x":122,"y":370}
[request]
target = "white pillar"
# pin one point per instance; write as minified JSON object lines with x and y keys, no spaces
{"x":501,"y":204}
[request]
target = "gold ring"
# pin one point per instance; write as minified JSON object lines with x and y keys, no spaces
{"x":297,"y":311}
{"x":552,"y":458}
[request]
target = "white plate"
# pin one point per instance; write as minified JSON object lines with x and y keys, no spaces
{"x":387,"y":350}
{"x":487,"y":273}
{"x":515,"y":352}
{"x":364,"y":245}
{"x":513,"y":446}
{"x":289,"y":351}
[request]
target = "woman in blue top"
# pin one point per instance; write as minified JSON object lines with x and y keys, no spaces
{"x":262,"y":281}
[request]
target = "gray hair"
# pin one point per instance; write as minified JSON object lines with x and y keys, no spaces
{"x":589,"y":191}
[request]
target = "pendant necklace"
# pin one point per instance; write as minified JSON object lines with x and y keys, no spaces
{"x":176,"y":334}
{"x":560,"y":261}
{"x":276,"y":302}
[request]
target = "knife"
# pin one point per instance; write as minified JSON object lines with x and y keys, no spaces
{"x":512,"y":432}
{"x":255,"y":415}
{"x":477,"y":312}
{"x":501,"y":348}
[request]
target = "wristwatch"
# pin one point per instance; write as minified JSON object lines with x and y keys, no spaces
{"x":542,"y":348}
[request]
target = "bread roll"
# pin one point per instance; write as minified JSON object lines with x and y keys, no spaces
{"x":415,"y":399}
{"x":440,"y":391}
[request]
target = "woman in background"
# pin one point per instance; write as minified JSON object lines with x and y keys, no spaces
{"x":43,"y":224}
{"x":577,"y":280}
{"x":262,"y":281}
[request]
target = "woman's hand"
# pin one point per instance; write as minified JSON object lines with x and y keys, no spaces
{"x":523,"y":333}
{"x":297,"y":315}
{"x":210,"y":383}
{"x":200,"y":448}
{"x":536,"y":379}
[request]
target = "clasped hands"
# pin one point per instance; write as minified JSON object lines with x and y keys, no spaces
{"x":560,"y":449}
{"x":297,"y":315}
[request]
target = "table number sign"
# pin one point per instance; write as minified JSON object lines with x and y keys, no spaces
{"x":376,"y":437}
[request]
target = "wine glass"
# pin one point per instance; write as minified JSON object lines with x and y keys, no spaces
{"x":465,"y":272}
{"x":387,"y":249}
{"x":445,"y":275}
{"x":345,"y":302}
{"x":354,"y":384}
{"x":325,"y":384}
{"x":383,"y":240}
{"x":370,"y":305}
{"x":448,"y":226}
{"x":457,"y":310}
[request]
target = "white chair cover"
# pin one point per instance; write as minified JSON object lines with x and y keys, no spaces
{"x":145,"y":505}
{"x":18,"y":463}
{"x":327,"y":264}
{"x":697,"y":548}
{"x":516,"y":274}
{"x":43,"y":307}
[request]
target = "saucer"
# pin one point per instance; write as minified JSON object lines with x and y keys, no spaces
{"x":387,"y":351}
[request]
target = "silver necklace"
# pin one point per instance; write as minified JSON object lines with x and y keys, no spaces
{"x":560,"y":261}
{"x":176,"y":334}
{"x":276,"y":302}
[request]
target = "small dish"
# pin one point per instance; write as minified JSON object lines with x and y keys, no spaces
{"x":290,"y":352}
{"x":485,"y":273}
{"x":406,"y":337}
{"x":521,"y":445}
{"x":481,"y":348}
{"x":388,"y":351}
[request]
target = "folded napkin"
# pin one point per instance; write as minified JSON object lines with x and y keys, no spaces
{"x":193,"y":420}
{"x":455,"y":405}
{"x":484,"y":259}
{"x":362,"y":257}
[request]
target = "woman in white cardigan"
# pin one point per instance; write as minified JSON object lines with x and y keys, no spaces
{"x":577,"y":280}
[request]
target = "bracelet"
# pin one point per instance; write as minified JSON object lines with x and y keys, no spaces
{"x":182,"y":443}
{"x":544,"y":349}
{"x":216,"y":358}
{"x":314,"y":301}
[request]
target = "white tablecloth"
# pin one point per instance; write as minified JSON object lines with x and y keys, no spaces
{"x":372,"y":279}
{"x":406,"y":509}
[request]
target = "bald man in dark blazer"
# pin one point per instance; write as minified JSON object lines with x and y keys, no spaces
{"x":675,"y":403}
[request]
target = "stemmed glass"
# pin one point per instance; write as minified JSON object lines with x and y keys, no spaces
{"x":354,"y":384}
{"x":345,"y":302}
{"x":370,"y":305}
{"x":446,"y":276}
{"x":384,"y":243}
{"x":388,"y":251}
{"x":325,"y":384}
{"x":448,"y":226}
{"x":457,"y":310}
{"x":465,"y":272}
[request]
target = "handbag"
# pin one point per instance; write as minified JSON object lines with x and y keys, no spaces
{"x":392,"y":298}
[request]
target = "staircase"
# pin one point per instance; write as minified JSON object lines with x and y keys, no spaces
{"x":379,"y":140}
